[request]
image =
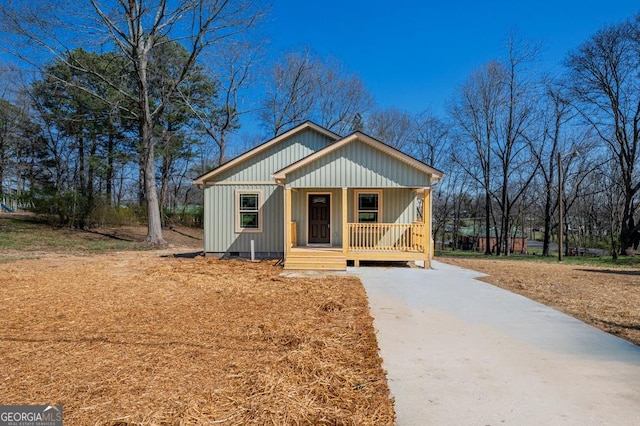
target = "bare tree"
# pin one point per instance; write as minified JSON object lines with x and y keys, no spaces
{"x":561,"y":135}
{"x":555,"y":114}
{"x":307,"y":87}
{"x":431,"y":145}
{"x":515,"y":118}
{"x":231,"y":70}
{"x":605,"y":89}
{"x":451,"y":203}
{"x":340,"y":96}
{"x":290,"y":97}
{"x":393,"y":127}
{"x":135,"y":28}
{"x":474,"y":110}
{"x":495,"y":111}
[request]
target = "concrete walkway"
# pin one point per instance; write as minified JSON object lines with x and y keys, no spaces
{"x":462,"y":352}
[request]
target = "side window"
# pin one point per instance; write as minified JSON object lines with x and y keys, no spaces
{"x":368,"y":206}
{"x":248,"y":211}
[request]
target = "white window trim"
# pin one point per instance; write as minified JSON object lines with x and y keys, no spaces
{"x":356,"y":204}
{"x":239,"y":229}
{"x":330,"y":218}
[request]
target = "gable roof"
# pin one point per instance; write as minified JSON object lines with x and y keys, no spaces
{"x":359,"y":136}
{"x":201,"y":180}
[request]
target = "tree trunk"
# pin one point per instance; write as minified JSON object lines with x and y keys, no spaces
{"x":456,"y":223}
{"x":109,"y":176}
{"x":487,"y":223}
{"x":547,"y":221}
{"x":565,"y":241}
{"x":506,"y":237}
{"x":141,"y":185}
{"x":627,"y":222}
{"x":2,"y":159}
{"x":81,"y":172}
{"x":80,"y":214}
{"x":504,"y":221}
{"x":164,"y":182}
{"x":90,"y":177}
{"x":154,"y":220}
{"x":614,"y":246}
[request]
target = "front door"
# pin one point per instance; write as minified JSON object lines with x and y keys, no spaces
{"x":319,"y":218}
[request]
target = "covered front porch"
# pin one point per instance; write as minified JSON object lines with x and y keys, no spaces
{"x":326,"y":227}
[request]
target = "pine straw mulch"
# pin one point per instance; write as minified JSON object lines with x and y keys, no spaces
{"x":608,"y":298}
{"x":130,"y":338}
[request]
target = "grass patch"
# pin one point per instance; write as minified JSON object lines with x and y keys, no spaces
{"x":459,"y":254}
{"x":31,"y":234}
{"x":28,"y":236}
{"x":9,"y":258}
{"x":609,"y":261}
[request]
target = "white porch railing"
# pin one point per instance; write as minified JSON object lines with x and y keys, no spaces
{"x":386,"y":237}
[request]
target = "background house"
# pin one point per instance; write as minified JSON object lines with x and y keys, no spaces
{"x":474,"y":238}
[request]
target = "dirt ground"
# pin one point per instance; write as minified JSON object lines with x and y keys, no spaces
{"x":608,"y":298}
{"x":130,"y":338}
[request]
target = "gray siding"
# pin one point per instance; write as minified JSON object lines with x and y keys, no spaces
{"x":399,"y":205}
{"x":260,"y":167}
{"x":220,"y":235}
{"x":357,"y":165}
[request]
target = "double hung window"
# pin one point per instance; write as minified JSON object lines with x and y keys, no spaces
{"x":369,"y":206}
{"x":248,"y":211}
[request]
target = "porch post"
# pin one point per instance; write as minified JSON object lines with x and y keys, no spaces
{"x":287,"y":220}
{"x":426,"y":217}
{"x":345,"y":227}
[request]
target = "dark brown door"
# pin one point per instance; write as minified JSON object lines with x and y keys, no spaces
{"x":319,"y":219}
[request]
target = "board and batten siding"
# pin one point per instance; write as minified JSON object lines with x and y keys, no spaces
{"x":260,"y":167}
{"x":399,"y":205}
{"x":220,"y":236}
{"x":358,"y":165}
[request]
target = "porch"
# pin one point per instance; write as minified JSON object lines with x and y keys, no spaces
{"x":315,"y":242}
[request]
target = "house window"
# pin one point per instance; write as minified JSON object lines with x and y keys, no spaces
{"x":248,"y":212}
{"x":369,"y":206}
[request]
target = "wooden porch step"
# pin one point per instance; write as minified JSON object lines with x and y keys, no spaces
{"x":317,"y":261}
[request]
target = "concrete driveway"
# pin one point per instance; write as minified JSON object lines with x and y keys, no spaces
{"x":462,"y":352}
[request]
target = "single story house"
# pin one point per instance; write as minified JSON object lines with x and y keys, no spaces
{"x":474,"y":238}
{"x":318,"y":200}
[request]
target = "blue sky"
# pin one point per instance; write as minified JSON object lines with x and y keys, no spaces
{"x":413,"y":54}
